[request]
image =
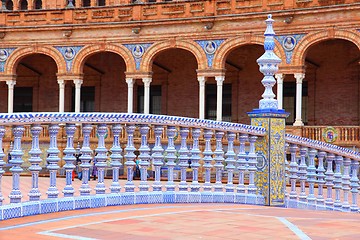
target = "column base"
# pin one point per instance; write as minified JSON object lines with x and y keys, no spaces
{"x":298,"y":123}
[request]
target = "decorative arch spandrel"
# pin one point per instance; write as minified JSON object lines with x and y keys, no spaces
{"x":86,"y":51}
{"x":191,"y":46}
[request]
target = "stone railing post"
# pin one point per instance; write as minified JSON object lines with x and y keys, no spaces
{"x":230,"y":167}
{"x":2,"y":163}
{"x":35,"y":160}
{"x":130,"y":156}
{"x":195,"y":158}
{"x":53,"y":159}
{"x":116,"y":158}
{"x":69,"y":159}
{"x":86,"y":157}
{"x":269,"y":116}
{"x":100,"y":158}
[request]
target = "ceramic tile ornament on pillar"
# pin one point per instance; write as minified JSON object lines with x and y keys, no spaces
{"x":270,"y":176}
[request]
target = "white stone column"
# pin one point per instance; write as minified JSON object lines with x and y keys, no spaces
{"x":130,"y":83}
{"x":77,"y":83}
{"x":299,"y":79}
{"x":219,"y":97}
{"x":11,"y":85}
{"x":61,"y":83}
{"x":147,"y":82}
{"x":280,"y":85}
{"x":202,"y":81}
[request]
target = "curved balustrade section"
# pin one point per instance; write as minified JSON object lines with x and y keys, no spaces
{"x":200,"y":148}
{"x":321,"y":175}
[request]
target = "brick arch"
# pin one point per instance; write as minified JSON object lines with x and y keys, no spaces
{"x":19,"y":53}
{"x":232,"y":43}
{"x":84,"y":53}
{"x":314,"y":38}
{"x":193,"y":47}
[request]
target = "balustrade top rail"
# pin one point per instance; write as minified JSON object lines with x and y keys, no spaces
{"x":322,"y":146}
{"x":124,"y":118}
{"x":130,"y":12}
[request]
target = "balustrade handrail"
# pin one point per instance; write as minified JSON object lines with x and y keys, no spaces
{"x":124,"y":118}
{"x":327,"y":147}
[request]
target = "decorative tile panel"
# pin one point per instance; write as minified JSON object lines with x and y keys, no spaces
{"x":138,"y":51}
{"x":69,"y":53}
{"x":288,"y":43}
{"x":210,"y":47}
{"x":4,"y":55}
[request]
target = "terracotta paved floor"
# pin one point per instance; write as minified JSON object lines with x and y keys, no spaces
{"x":184,"y":221}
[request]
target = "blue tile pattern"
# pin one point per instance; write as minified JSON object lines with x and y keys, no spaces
{"x":138,"y":50}
{"x":210,"y":47}
{"x":68,"y":53}
{"x":4,"y":55}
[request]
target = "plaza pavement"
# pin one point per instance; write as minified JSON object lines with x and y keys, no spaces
{"x":179,"y":221}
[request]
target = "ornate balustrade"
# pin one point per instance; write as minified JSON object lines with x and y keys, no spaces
{"x":317,"y":164}
{"x":212,"y":156}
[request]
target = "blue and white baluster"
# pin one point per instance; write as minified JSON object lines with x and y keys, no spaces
{"x":218,"y":187}
{"x":169,"y":196}
{"x":86,"y":157}
{"x":16,"y":161}
{"x":311,"y":178}
{"x":53,"y":159}
{"x":194,"y":196}
{"x":346,"y":185}
{"x":130,"y":156}
{"x":338,"y":182}
{"x":354,"y":185}
{"x":329,"y":202}
{"x":241,"y":162}
{"x":69,"y":159}
{"x":158,"y":156}
{"x":251,"y":189}
{"x":2,"y":163}
{"x":287,"y":173}
{"x":35,"y":160}
{"x":293,"y":176}
{"x":206,"y":195}
{"x":143,"y":196}
{"x":182,"y":195}
{"x":302,"y":173}
{"x":230,"y":167}
{"x":101,"y":158}
{"x":116,"y":158}
{"x":320,"y":179}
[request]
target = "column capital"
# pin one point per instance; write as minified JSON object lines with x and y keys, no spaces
{"x":11,"y":83}
{"x":146,"y":81}
{"x":279,"y":78}
{"x":219,"y":80}
{"x":299,"y":77}
{"x":78,"y":82}
{"x":202,"y":79}
{"x":61,"y":82}
{"x":130,"y":81}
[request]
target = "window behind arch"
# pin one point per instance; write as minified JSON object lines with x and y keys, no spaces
{"x":9,"y":5}
{"x":101,"y":2}
{"x":23,"y":5}
{"x":86,"y":3}
{"x":38,"y":4}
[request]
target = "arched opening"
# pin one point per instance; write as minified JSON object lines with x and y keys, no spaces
{"x":332,"y":77}
{"x":36,"y":88}
{"x":9,"y":5}
{"x":23,"y":5}
{"x":242,"y":82}
{"x":174,"y":89}
{"x":38,"y":4}
{"x":104,"y":87}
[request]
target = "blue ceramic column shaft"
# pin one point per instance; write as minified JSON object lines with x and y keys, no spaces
{"x":219,"y":158}
{"x":144,"y":158}
{"x":293,"y":172}
{"x":242,"y":163}
{"x":157,"y":157}
{"x":2,"y":163}
{"x":116,"y":158}
{"x":69,"y":159}
{"x":195,"y":158}
{"x":35,"y":160}
{"x":86,"y":157}
{"x":207,"y":159}
{"x":252,"y":165}
{"x":171,"y":157}
{"x":354,"y":184}
{"x":53,"y":159}
{"x":337,"y":181}
{"x":101,"y":158}
{"x":311,"y":174}
{"x":183,"y":158}
{"x":346,"y":185}
{"x":302,"y":173}
{"x":230,"y":162}
{"x":321,"y":178}
{"x":16,"y":161}
{"x":130,"y":156}
{"x":329,"y":179}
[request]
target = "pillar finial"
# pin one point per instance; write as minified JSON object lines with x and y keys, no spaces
{"x":268,"y":64}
